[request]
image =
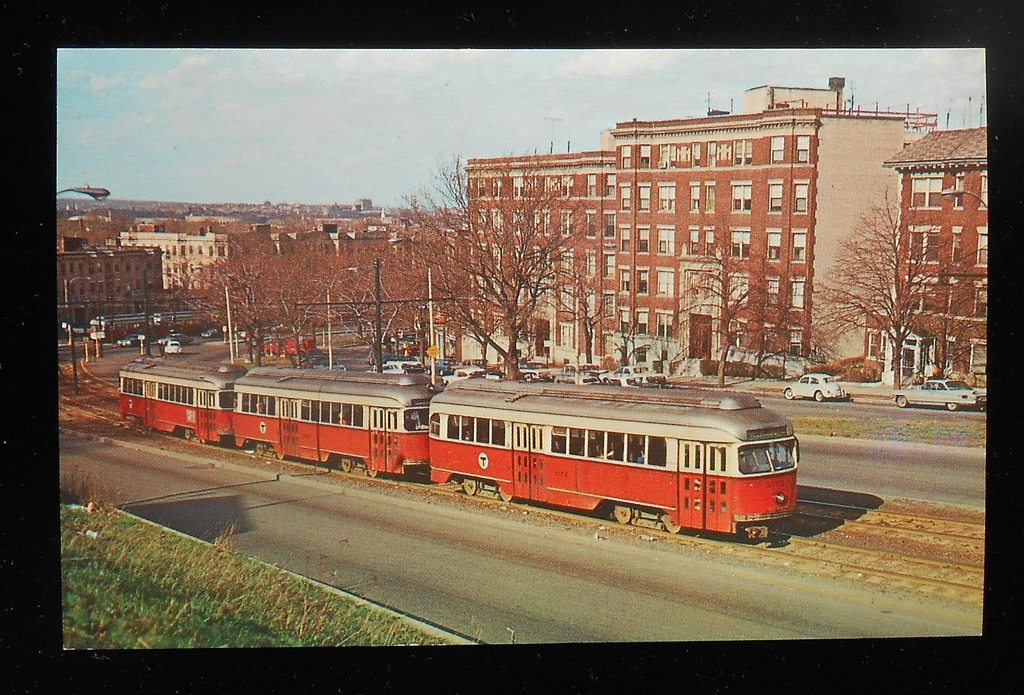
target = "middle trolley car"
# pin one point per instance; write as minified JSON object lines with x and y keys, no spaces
{"x":684,"y":458}
{"x":377,"y":422}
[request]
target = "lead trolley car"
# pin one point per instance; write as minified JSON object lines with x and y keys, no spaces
{"x":687,"y":459}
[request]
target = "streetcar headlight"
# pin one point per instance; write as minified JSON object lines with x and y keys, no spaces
{"x":780,"y":498}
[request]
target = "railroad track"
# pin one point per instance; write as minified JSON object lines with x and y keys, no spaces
{"x":936,"y":556}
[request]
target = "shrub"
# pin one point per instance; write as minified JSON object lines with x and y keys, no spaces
{"x":709,"y":367}
{"x":857,"y":369}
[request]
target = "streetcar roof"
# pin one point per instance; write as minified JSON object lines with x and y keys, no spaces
{"x":158,"y":369}
{"x":740,"y":415}
{"x":406,"y":389}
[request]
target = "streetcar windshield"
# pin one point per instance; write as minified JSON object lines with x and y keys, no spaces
{"x":764,"y":458}
{"x":227,"y":400}
{"x":416,"y":419}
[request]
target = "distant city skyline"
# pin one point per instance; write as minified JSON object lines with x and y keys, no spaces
{"x":332,"y":126}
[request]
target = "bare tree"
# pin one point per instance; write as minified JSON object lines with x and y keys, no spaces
{"x":494,"y":241}
{"x":880,"y":278}
{"x":581,"y":295}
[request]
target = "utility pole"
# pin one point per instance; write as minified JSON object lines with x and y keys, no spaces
{"x":377,"y":356}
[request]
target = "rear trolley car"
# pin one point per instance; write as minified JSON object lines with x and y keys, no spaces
{"x":686,"y":459}
{"x":192,"y":400}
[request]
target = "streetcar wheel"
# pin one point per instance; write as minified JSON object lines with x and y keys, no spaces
{"x":952,"y":407}
{"x":260,"y":449}
{"x":819,"y":396}
{"x":505,"y":496}
{"x":788,"y":393}
{"x":622,"y":514}
{"x":670,"y":526}
{"x":190,"y":435}
{"x":469,"y":486}
{"x":346,"y":465}
{"x":372,"y":472}
{"x":901,"y":401}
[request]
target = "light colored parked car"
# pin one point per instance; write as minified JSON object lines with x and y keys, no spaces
{"x":172,"y":347}
{"x":949,"y":393}
{"x":570,"y":372}
{"x":470,"y":371}
{"x":631,"y":375}
{"x":820,"y":387}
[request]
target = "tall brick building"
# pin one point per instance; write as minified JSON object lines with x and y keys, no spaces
{"x":761,"y":197}
{"x":944,"y":203}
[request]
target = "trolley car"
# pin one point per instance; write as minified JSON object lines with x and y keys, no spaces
{"x":687,"y":459}
{"x":194,"y":400}
{"x":377,"y":422}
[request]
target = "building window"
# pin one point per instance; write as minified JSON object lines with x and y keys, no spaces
{"x":591,"y":263}
{"x":591,"y":224}
{"x":696,"y":154}
{"x":645,"y":156}
{"x":798,"y":293}
{"x":801,"y":197}
{"x":667,"y":198}
{"x":958,"y":198}
{"x":664,"y":324}
{"x":709,"y":196}
{"x":778,"y":149}
{"x":772,"y":290}
{"x":694,"y":197}
{"x":984,"y":188}
{"x":803,"y":148}
{"x":775,"y":196}
{"x":666,"y":241}
{"x":624,"y":240}
{"x":956,"y":251}
{"x":665,"y":155}
{"x":609,"y":225}
{"x":694,"y":246}
{"x":799,"y":246}
{"x":567,"y":186}
{"x":642,"y":328}
{"x":741,"y":197}
{"x":982,"y":245}
{"x":926,"y":192}
{"x":796,"y":342}
{"x":591,"y":185}
{"x":627,"y":157}
{"x":643,"y":242}
{"x":609,"y":265}
{"x":739,"y":287}
{"x":624,"y":321}
{"x":624,"y":281}
{"x":709,"y":241}
{"x":643,"y":281}
{"x":875,"y":345}
{"x":741,"y":243}
{"x":712,"y":154}
{"x":743,"y":152}
{"x":609,"y":185}
{"x":979,"y":358}
{"x":645,"y":197}
{"x":626,"y":197}
{"x":774,"y":244}
{"x":666,"y":282}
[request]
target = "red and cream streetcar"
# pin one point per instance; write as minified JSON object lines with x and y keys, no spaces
{"x":194,"y":400}
{"x":373,"y":421}
{"x":689,"y":459}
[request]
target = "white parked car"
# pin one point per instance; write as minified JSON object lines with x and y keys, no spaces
{"x":820,"y":387}
{"x":172,"y":347}
{"x":403,"y":367}
{"x":470,"y":371}
{"x":949,"y":393}
{"x":631,"y":375}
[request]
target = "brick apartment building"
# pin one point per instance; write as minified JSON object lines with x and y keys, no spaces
{"x":763,"y":196}
{"x":95,"y":280}
{"x":184,"y":253}
{"x":944,"y":203}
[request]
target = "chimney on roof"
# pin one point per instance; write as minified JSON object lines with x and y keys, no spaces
{"x":836,"y":84}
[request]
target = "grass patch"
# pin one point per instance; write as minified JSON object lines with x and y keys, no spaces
{"x":130,"y":585}
{"x":969,"y":433}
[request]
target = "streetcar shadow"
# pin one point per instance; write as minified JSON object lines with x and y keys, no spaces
{"x":206,"y":518}
{"x":820,"y":510}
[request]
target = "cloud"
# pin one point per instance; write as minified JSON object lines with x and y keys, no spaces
{"x":615,"y":63}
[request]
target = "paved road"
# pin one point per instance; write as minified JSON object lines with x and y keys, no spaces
{"x":487,"y":575}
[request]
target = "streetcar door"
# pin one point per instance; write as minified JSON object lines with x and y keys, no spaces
{"x":537,"y":483}
{"x":289,"y":427}
{"x":522,"y":462}
{"x":383,"y":423}
{"x":691,"y":484}
{"x":716,"y":514}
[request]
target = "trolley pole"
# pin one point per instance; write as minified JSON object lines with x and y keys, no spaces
{"x":377,"y":338}
{"x":74,"y":361}
{"x":430,"y":308}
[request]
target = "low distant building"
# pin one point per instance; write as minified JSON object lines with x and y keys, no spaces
{"x":99,"y":280}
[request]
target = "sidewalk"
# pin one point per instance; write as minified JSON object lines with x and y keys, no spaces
{"x":861,"y":392}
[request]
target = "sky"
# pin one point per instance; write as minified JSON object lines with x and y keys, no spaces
{"x":324,"y":126}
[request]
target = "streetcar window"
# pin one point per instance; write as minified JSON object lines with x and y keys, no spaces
{"x":453,"y":427}
{"x":615,"y":446}
{"x":352,"y":415}
{"x":595,"y":444}
{"x":483,"y":430}
{"x":576,"y":440}
{"x":435,"y":424}
{"x":227,"y":400}
{"x":307,"y":411}
{"x":498,"y":432}
{"x":415,"y":419}
{"x":467,"y":428}
{"x":558,"y":440}
{"x":656,"y":451}
{"x":330,"y":413}
{"x":754,"y":459}
{"x":762,"y":458}
{"x":635,"y":448}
